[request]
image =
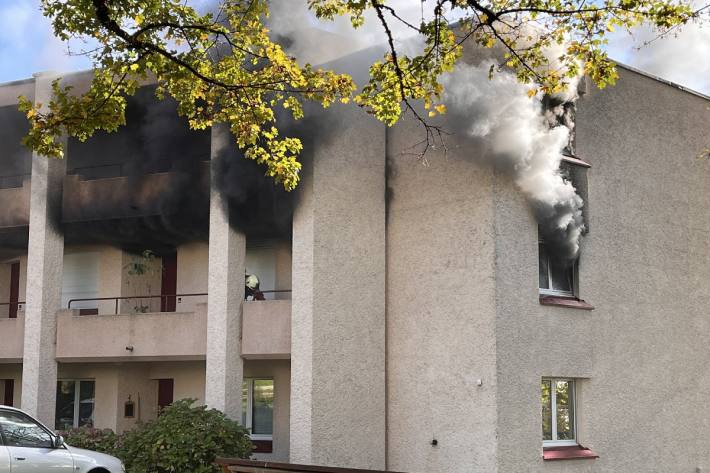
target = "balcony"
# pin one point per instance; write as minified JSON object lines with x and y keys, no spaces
{"x":125,"y":196}
{"x":137,"y":337}
{"x":82,"y":335}
{"x":15,"y":208}
{"x":13,"y":338}
{"x":266,"y":330}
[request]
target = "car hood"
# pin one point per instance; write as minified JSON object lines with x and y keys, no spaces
{"x":84,"y":460}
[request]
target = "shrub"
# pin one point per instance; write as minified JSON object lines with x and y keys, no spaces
{"x":100,"y":440}
{"x":184,"y":439}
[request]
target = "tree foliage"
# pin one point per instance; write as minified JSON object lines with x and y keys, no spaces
{"x":226,"y":67}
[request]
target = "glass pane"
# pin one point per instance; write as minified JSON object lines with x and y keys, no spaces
{"x":86,"y":403}
{"x":565,"y":406}
{"x":543,"y":267}
{"x":561,"y":276}
{"x":245,"y":389}
{"x":263,"y":409}
{"x":21,"y":431}
{"x":546,"y":410}
{"x":64,"y":418}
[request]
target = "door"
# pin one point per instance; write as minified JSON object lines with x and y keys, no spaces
{"x":14,"y":289}
{"x":29,"y":446}
{"x":168,"y":286}
{"x":165,"y":393}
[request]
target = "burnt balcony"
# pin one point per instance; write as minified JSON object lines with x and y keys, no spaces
{"x":14,"y":202}
{"x":87,"y":198}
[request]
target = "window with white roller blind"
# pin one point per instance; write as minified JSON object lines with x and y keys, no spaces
{"x":80,"y":279}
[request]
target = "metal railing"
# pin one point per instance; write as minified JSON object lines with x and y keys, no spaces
{"x":166,"y":300}
{"x":10,"y":305}
{"x":236,"y":465}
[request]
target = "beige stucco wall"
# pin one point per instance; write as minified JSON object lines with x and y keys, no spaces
{"x":280,"y":371}
{"x":643,"y":266}
{"x":440,"y":310}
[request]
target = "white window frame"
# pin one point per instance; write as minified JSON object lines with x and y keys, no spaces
{"x":553,"y":407}
{"x":248,"y":421}
{"x":555,"y":292}
{"x":77,"y":399}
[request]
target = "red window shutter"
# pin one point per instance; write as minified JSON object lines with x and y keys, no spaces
{"x":165,"y":392}
{"x":9,"y":395}
{"x":14,"y":289}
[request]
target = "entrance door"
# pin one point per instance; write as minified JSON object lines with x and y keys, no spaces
{"x":166,"y":388}
{"x":168,"y":286}
{"x":14,"y":289}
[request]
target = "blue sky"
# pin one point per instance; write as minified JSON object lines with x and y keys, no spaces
{"x":27,"y":45}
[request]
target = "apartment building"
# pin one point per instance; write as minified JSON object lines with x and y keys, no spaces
{"x":412,"y":319}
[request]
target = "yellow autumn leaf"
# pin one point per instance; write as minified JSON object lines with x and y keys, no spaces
{"x":441,"y":108}
{"x":139,"y":19}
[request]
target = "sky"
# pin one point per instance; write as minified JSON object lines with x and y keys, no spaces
{"x":27,"y":45}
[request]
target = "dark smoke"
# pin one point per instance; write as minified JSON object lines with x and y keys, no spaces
{"x":154,"y":175}
{"x":15,"y":168}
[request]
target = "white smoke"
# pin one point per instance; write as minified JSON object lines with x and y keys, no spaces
{"x":518,"y":136}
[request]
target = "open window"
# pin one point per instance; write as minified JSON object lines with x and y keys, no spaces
{"x":557,"y":277}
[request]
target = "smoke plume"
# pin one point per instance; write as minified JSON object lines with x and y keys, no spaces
{"x":523,"y":139}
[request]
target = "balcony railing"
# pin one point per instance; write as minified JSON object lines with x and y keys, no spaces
{"x":167,"y":301}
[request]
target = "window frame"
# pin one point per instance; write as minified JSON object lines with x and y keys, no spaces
{"x":77,"y":399}
{"x":555,"y":292}
{"x":553,"y":408}
{"x":248,"y":421}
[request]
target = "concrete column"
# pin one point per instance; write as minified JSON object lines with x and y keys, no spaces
{"x":338,"y":323}
{"x":45,"y":254}
{"x":225,"y":285}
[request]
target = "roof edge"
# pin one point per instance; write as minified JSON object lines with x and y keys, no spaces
{"x":662,"y":80}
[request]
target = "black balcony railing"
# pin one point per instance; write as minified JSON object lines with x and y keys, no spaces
{"x":167,"y":301}
{"x":14,"y":307}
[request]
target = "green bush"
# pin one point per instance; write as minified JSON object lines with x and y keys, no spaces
{"x":184,"y":439}
{"x":100,"y":440}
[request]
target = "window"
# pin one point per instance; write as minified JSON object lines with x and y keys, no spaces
{"x":558,"y":412}
{"x":18,"y":430}
{"x":75,"y":404}
{"x":557,"y":278}
{"x":258,"y":407}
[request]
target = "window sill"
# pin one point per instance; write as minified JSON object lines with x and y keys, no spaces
{"x":571,"y":302}
{"x":575,"y":160}
{"x":576,"y":452}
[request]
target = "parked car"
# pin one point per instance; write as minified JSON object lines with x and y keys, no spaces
{"x":28,"y":446}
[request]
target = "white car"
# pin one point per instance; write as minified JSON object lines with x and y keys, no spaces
{"x":27,"y":446}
